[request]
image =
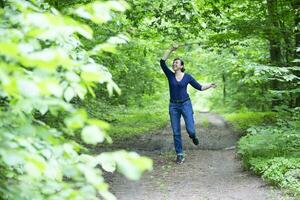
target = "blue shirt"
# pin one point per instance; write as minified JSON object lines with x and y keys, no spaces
{"x":178,"y":89}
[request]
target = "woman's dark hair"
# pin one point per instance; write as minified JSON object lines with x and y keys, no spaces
{"x":181,"y":62}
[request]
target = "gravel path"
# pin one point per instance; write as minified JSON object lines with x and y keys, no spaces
{"x":211,"y":171}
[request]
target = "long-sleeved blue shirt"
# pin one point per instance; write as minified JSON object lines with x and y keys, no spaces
{"x":178,"y":89}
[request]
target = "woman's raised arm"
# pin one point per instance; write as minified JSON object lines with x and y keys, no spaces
{"x":169,"y":51}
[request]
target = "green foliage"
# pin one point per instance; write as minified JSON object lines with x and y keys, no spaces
{"x":136,"y":59}
{"x":50,"y":60}
{"x":175,"y":20}
{"x":221,"y":45}
{"x":242,"y":121}
{"x":270,"y":141}
{"x":274,"y":151}
{"x":281,"y":171}
{"x":44,"y":66}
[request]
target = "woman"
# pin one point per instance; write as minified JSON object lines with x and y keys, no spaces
{"x":180,"y":103}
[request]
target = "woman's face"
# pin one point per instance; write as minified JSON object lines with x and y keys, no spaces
{"x":177,"y":65}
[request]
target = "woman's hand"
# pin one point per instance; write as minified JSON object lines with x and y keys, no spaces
{"x":213,"y":85}
{"x":168,"y":52}
{"x":208,"y":86}
{"x":174,"y":47}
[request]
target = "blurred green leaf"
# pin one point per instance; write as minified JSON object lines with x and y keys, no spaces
{"x":91,"y":134}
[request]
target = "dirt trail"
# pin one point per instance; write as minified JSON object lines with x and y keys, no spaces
{"x":211,"y":171}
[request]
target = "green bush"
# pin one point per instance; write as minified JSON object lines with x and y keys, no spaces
{"x":44,"y":66}
{"x":273,"y":151}
{"x":281,"y":171}
{"x":270,"y":141}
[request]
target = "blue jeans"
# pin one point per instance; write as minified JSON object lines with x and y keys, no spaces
{"x":186,"y":110}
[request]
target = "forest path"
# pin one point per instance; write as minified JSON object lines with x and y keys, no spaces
{"x":211,"y":171}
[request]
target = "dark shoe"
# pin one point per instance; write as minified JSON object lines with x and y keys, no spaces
{"x":195,"y":141}
{"x":180,"y":159}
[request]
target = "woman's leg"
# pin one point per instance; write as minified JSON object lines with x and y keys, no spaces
{"x":175,"y":114}
{"x":188,"y":116}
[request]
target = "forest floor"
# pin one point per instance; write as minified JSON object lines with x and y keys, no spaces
{"x":211,"y":171}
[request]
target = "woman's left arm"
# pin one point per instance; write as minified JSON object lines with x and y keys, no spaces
{"x":200,"y":87}
{"x":207,"y":86}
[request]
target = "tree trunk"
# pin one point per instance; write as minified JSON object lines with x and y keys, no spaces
{"x":296,"y":9}
{"x":1,"y":3}
{"x":273,"y":35}
{"x":273,"y":32}
{"x":224,"y":88}
{"x":263,"y":95}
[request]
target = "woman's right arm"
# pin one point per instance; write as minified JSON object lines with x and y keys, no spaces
{"x":169,"y":51}
{"x":163,"y":64}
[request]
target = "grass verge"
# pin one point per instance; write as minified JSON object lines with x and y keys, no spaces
{"x":133,"y":120}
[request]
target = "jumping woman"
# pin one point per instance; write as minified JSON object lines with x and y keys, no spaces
{"x":180,"y":103}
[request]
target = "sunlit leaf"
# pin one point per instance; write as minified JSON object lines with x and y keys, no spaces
{"x":97,"y":122}
{"x":131,"y":164}
{"x":76,"y":120}
{"x":107,"y":162}
{"x":69,"y":94}
{"x":55,"y":24}
{"x":91,"y":11}
{"x":11,"y":158}
{"x":119,"y":39}
{"x":118,"y":5}
{"x":53,"y":170}
{"x":107,"y":47}
{"x":42,"y":107}
{"x":28,"y":88}
{"x":92,"y":134}
{"x":79,"y":90}
{"x":112,"y":86}
{"x":73,"y":77}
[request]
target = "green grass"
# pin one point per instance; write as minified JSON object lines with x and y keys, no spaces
{"x":205,"y":122}
{"x":242,"y":121}
{"x":136,"y":121}
{"x":129,"y":121}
